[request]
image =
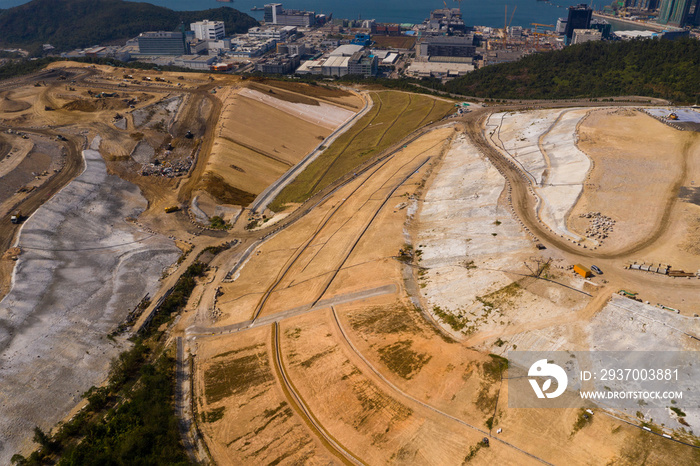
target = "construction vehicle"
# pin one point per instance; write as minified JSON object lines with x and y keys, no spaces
{"x":582,"y":270}
{"x":672,"y":116}
{"x":16,"y":217}
{"x":171,"y":209}
{"x":189,"y":135}
{"x":629,"y":294}
{"x":159,"y":79}
{"x":61,"y":138}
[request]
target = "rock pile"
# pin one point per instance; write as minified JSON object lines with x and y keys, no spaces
{"x":601,"y":226}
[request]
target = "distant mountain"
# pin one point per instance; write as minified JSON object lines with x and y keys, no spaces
{"x":69,"y":24}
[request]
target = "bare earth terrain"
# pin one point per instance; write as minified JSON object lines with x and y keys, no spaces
{"x":369,"y":315}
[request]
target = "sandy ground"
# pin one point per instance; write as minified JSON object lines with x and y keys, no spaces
{"x":35,"y":162}
{"x":73,"y":284}
{"x":323,"y":114}
{"x":18,"y":151}
{"x":257,"y":424}
{"x":311,"y":271}
{"x":638,"y":162}
{"x":260,"y":137}
{"x":453,"y":231}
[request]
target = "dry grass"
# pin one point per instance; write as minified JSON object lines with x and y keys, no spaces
{"x":236,"y":375}
{"x":393,"y":117}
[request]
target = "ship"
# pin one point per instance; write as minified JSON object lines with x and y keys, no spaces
{"x":257,"y":8}
{"x":225,"y":1}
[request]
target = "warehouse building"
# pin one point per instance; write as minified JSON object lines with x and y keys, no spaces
{"x":162,"y":43}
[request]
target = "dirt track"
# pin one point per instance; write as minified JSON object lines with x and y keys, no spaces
{"x":74,"y":165}
{"x":523,"y":200}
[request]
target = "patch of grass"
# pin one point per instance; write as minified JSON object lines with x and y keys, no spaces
{"x":473,"y":450}
{"x":402,"y":360}
{"x":455,"y":322}
{"x":469,"y":265}
{"x":393,"y":116}
{"x":282,"y":411}
{"x":246,"y":348}
{"x":678,"y":411}
{"x":226,"y":378}
{"x":310,"y":361}
{"x":214,"y":415}
{"x":584,"y":418}
{"x":218,"y":223}
{"x":493,"y":370}
{"x":503,"y":296}
{"x":310,"y":89}
{"x":224,"y":192}
{"x":375,"y":401}
{"x":387,"y":320}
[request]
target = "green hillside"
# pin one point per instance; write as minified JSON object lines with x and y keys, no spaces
{"x":68,"y":24}
{"x":654,"y":68}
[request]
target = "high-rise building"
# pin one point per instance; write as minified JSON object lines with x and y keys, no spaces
{"x":271,"y":12}
{"x":579,"y":18}
{"x":642,"y":4}
{"x":162,"y":43}
{"x":275,"y":14}
{"x":208,"y":30}
{"x":676,"y":12}
{"x":448,"y":46}
{"x":561,"y":26}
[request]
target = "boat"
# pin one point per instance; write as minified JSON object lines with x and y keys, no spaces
{"x":225,"y":1}
{"x":257,"y":8}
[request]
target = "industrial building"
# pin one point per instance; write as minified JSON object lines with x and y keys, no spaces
{"x":441,"y":70}
{"x":195,"y":62}
{"x":275,"y":14}
{"x":586,"y":35}
{"x":295,"y":48}
{"x":446,"y":20}
{"x":448,"y":46}
{"x":579,"y":18}
{"x":208,"y":30}
{"x":347,"y":59}
{"x":278,"y":33}
{"x":162,"y":43}
{"x":278,"y":65}
{"x":383,"y":29}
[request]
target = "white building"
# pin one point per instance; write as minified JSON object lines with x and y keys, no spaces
{"x":278,"y":33}
{"x":208,"y":30}
{"x":561,"y":25}
{"x":195,"y":62}
{"x":586,"y":35}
